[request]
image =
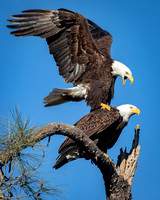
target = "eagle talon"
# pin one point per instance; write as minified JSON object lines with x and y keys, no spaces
{"x":105,"y":106}
{"x":113,"y":165}
{"x":107,"y":156}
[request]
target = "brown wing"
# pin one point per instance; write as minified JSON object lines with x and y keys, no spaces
{"x":102,"y":39}
{"x":94,"y":124}
{"x":68,"y":36}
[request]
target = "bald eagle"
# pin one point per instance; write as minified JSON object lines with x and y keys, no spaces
{"x":81,"y":50}
{"x":102,"y":126}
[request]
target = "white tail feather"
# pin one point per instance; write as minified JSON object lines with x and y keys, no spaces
{"x":72,"y":153}
{"x":60,"y":96}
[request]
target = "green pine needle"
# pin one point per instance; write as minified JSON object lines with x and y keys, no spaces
{"x":22,"y":181}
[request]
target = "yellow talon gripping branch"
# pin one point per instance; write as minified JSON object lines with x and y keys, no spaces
{"x":107,"y":156}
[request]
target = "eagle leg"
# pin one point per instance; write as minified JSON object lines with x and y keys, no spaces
{"x":105,"y":106}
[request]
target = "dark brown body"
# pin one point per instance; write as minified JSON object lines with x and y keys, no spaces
{"x":102,"y":126}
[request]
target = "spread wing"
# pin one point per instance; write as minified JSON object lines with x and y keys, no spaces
{"x":102,"y":39}
{"x":93,"y":124}
{"x":69,"y":39}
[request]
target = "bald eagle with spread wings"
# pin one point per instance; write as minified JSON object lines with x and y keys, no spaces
{"x":102,"y":126}
{"x":81,"y":50}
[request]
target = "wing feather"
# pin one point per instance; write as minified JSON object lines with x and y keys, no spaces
{"x":93,"y":124}
{"x":102,"y":39}
{"x":68,"y":37}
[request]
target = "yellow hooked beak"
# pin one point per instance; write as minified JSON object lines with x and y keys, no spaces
{"x":135,"y":110}
{"x":130,"y":78}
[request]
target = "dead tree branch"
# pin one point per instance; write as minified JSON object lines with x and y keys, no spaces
{"x":117,"y":185}
{"x":121,"y":179}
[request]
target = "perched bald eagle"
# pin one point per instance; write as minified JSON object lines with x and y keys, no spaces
{"x":102,"y":126}
{"x":80,"y":48}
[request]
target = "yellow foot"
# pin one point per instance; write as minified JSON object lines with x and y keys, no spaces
{"x":105,"y":106}
{"x":113,"y":165}
{"x":106,"y":155}
{"x":110,"y":160}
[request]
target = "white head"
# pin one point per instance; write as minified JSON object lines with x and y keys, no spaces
{"x":119,"y":69}
{"x":127,"y":110}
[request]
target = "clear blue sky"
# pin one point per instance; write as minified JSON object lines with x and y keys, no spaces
{"x":28,"y":74}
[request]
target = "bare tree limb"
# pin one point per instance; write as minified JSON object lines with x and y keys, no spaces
{"x":49,"y":130}
{"x":117,"y":185}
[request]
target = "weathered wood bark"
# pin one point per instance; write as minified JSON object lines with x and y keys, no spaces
{"x":117,"y":185}
{"x":1,"y":181}
{"x":121,"y":179}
